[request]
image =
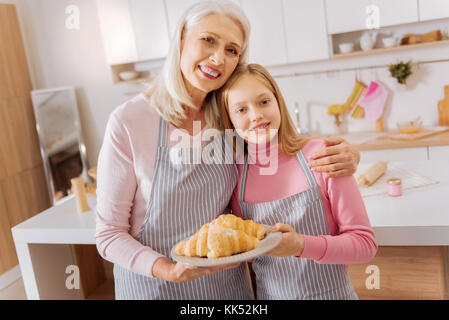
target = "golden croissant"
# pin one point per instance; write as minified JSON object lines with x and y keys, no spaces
{"x":248,"y":226}
{"x":222,"y":237}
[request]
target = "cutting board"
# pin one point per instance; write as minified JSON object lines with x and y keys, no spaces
{"x":423,"y":133}
{"x":443,"y":108}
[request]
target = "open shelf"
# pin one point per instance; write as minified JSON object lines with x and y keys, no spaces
{"x":390,"y":49}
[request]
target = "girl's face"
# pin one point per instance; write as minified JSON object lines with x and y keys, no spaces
{"x":253,"y":110}
{"x":210,"y":52}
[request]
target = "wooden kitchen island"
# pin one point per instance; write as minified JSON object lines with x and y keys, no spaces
{"x":412,"y":232}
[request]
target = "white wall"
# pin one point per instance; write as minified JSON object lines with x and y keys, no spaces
{"x":60,"y":57}
{"x":315,"y":93}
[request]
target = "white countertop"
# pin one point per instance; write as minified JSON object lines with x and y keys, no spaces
{"x":419,"y":217}
{"x":59,"y":224}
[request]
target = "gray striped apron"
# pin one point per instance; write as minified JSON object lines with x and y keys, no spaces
{"x":183,"y":197}
{"x":290,"y":277}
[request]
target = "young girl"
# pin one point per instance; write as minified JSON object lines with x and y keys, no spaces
{"x":323,"y":220}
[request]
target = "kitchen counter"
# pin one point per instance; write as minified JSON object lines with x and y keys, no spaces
{"x":367,"y":140}
{"x":420,"y":217}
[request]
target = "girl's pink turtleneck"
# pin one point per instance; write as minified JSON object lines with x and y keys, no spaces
{"x":274,"y":175}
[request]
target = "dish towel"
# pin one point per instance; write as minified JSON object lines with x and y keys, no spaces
{"x":355,"y":110}
{"x":374,"y":101}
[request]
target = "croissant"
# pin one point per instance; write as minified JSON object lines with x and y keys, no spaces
{"x":248,"y":226}
{"x":216,"y":239}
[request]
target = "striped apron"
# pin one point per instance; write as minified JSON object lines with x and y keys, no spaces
{"x":290,"y":277}
{"x":184,"y":197}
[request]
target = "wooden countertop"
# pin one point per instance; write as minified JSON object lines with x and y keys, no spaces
{"x":364,"y":141}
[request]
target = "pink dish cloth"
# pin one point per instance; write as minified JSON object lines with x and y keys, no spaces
{"x":374,"y":101}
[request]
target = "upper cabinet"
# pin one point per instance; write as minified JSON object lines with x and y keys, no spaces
{"x":433,"y":9}
{"x":150,"y":28}
{"x":305,"y":29}
{"x":353,"y":15}
{"x":394,"y":12}
{"x":282,"y":31}
{"x":175,"y":9}
{"x":346,"y":15}
{"x":118,"y":35}
{"x":133,"y":30}
{"x":267,"y":41}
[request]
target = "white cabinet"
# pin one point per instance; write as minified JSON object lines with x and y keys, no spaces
{"x":150,"y":28}
{"x":403,"y":154}
{"x":346,"y":15}
{"x":133,"y":30}
{"x":305,"y":29}
{"x":393,"y":12}
{"x":175,"y":9}
{"x":439,"y":153}
{"x":353,"y":15}
{"x":116,"y":28}
{"x":267,"y":41}
{"x":433,"y":9}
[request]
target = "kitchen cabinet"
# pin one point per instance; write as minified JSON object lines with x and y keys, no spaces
{"x":351,"y":15}
{"x":305,"y":29}
{"x":267,"y":41}
{"x":23,"y":187}
{"x":117,"y":32}
{"x":438,"y":152}
{"x":393,"y":12}
{"x":150,"y":28}
{"x":133,"y":30}
{"x":346,"y":15}
{"x":402,"y":154}
{"x":433,"y":9}
{"x":175,"y":9}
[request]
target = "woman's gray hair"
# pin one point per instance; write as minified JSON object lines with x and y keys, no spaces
{"x":167,"y":92}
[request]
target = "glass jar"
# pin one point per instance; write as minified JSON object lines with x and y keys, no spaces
{"x":394,"y":187}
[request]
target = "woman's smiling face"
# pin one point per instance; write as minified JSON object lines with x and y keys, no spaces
{"x":253,"y":110}
{"x":210,"y":52}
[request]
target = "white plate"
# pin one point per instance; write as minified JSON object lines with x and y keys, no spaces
{"x":268,"y":243}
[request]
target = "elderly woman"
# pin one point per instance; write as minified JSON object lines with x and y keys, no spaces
{"x":146,"y":201}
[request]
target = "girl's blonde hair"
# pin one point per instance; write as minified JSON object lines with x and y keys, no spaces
{"x":168,"y":93}
{"x":290,"y":142}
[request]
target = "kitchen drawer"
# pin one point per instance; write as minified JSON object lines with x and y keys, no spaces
{"x":439,"y":153}
{"x":402,"y":154}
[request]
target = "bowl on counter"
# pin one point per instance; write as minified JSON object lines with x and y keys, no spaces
{"x":346,"y":47}
{"x":410,"y":126}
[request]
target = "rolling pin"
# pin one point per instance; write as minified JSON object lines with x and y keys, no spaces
{"x":373,"y":173}
{"x":80,"y":194}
